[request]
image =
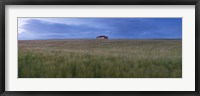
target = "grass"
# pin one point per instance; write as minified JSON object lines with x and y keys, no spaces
{"x":100,"y":59}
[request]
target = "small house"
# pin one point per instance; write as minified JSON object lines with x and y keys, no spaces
{"x":102,"y":37}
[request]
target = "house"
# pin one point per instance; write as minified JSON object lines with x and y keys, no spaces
{"x":102,"y":37}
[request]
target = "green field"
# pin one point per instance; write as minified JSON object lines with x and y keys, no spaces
{"x":100,"y":58}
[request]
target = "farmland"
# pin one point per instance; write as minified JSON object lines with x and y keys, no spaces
{"x":89,"y":58}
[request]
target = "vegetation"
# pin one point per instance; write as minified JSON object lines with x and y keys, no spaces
{"x":100,"y":59}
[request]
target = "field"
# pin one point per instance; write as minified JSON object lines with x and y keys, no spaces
{"x":100,"y":58}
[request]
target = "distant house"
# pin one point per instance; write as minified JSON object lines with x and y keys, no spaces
{"x":102,"y":37}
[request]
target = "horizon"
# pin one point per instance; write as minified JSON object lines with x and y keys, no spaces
{"x":90,"y":28}
{"x":103,"y":39}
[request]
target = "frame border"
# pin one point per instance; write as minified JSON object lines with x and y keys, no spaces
{"x":3,"y":3}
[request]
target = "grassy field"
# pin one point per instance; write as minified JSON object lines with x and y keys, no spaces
{"x":100,"y":58}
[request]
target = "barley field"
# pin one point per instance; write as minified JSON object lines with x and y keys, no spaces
{"x":100,"y":58}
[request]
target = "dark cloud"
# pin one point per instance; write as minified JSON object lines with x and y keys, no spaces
{"x":127,"y":28}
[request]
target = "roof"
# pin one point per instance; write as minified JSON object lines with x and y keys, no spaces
{"x":102,"y":36}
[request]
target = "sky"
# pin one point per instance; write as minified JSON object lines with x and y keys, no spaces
{"x":90,"y":28}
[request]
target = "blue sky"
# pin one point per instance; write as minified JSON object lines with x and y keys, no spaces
{"x":90,"y":28}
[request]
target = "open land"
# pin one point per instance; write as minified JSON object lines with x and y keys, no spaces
{"x":99,"y":58}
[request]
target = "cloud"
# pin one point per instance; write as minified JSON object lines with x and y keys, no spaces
{"x":37,"y":29}
{"x":21,"y":23}
{"x":77,"y":28}
{"x":72,"y":21}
